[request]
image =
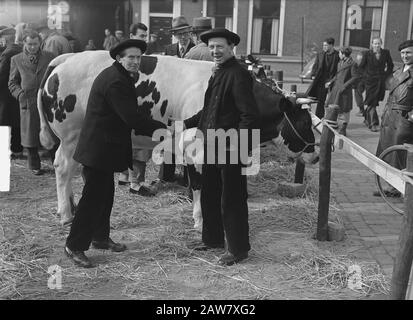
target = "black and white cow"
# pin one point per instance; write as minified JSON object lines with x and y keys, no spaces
{"x":167,"y":87}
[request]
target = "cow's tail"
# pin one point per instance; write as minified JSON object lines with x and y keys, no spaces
{"x":47,"y":137}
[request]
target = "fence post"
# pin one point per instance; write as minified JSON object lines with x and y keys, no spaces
{"x":325,"y":175}
{"x":299,"y":165}
{"x":403,"y":263}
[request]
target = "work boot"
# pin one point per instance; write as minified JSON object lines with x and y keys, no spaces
{"x":342,"y":129}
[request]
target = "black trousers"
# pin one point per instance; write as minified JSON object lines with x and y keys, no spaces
{"x":358,"y":95}
{"x":224,"y":207}
{"x":322,"y":95}
{"x":92,"y":218}
{"x":15,"y":140}
{"x":371,"y":116}
{"x":33,"y":158}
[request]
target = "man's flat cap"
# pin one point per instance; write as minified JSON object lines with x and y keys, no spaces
{"x":130,"y":43}
{"x":405,"y":44}
{"x":220,"y":33}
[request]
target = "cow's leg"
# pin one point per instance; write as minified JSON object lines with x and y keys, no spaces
{"x":195,"y":186}
{"x":65,"y":168}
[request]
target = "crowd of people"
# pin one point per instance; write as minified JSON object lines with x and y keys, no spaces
{"x":229,"y":103}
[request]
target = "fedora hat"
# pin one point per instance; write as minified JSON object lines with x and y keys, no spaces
{"x":130,"y":43}
{"x":179,"y":24}
{"x":6,"y":31}
{"x":201,"y":24}
{"x":220,"y":33}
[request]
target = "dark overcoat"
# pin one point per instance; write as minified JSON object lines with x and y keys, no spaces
{"x":395,"y":126}
{"x":111,"y":114}
{"x":24,"y":81}
{"x":173,"y":49}
{"x":321,"y":76}
{"x":9,"y":107}
{"x":375,"y":72}
{"x":341,"y":85}
{"x":229,"y":101}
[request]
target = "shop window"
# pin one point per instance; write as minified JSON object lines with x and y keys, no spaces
{"x":265,"y":26}
{"x":363,"y":22}
{"x":221,"y":13}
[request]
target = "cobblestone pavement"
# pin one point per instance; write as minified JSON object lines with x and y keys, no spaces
{"x":369,"y":222}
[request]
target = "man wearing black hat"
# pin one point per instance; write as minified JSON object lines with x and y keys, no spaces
{"x":9,"y":107}
{"x":105,"y":147}
{"x":229,"y":104}
{"x":397,"y":120}
{"x":52,"y":41}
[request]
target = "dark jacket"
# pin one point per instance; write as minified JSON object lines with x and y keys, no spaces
{"x":173,"y":49}
{"x":395,"y":127}
{"x":9,"y":107}
{"x":322,"y":74}
{"x":111,"y":114}
{"x":375,"y":73}
{"x":24,"y":81}
{"x":341,"y":85}
{"x":229,"y":101}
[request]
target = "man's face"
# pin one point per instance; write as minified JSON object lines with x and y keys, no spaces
{"x":32,"y":45}
{"x":183,"y":37}
{"x":376,"y":45}
{"x":107,"y":32}
{"x":131,"y":59}
{"x":407,"y":55}
{"x":220,"y":50}
{"x":140,"y":35}
{"x":327,"y":47}
{"x":119,"y":35}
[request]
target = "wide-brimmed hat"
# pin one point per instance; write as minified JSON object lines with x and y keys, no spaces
{"x":130,"y":43}
{"x":405,"y":44}
{"x":179,"y":24}
{"x":201,"y":24}
{"x":220,"y":33}
{"x":5,"y":31}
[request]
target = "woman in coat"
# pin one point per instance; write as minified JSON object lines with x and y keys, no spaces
{"x":341,"y":85}
{"x":26,"y":72}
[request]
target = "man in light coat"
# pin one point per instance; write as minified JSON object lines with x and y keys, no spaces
{"x":200,"y":51}
{"x":26,"y":73}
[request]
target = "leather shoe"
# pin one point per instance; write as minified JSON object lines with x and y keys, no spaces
{"x":388,"y":193}
{"x":359,"y":114}
{"x":201,"y":246}
{"x":228,"y":259}
{"x":79,"y":258}
{"x":374,"y":128}
{"x":37,"y":172}
{"x":109,"y":245}
{"x":142,"y":191}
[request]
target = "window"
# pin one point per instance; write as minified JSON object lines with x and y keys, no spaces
{"x":161,"y":6}
{"x":221,"y":13}
{"x":265,"y":26}
{"x":363,"y":22}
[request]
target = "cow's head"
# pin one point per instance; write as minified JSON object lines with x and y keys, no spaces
{"x":296,"y":131}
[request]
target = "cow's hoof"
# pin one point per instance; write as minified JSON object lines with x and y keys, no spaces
{"x":66,"y":222}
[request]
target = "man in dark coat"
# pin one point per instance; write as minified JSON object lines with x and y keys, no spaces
{"x":181,"y":31}
{"x":105,"y":147}
{"x":341,"y":88}
{"x":324,"y":69}
{"x":26,"y":73}
{"x":9,"y":107}
{"x":376,"y":65}
{"x":229,"y":104}
{"x":397,"y":120}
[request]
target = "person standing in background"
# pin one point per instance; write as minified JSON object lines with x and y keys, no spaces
{"x":200,"y":51}
{"x":110,"y":41}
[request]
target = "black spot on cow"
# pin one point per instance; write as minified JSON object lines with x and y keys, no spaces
{"x":47,"y":106}
{"x":156,"y":96}
{"x":64,"y":106}
{"x":146,"y":107}
{"x":53,"y":85}
{"x":148,"y":64}
{"x":163,"y":107}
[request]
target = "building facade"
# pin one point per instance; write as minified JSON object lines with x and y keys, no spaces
{"x":278,"y":31}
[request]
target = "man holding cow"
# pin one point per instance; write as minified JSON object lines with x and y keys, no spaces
{"x":105,"y":147}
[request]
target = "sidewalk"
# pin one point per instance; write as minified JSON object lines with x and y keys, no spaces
{"x":369,"y":222}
